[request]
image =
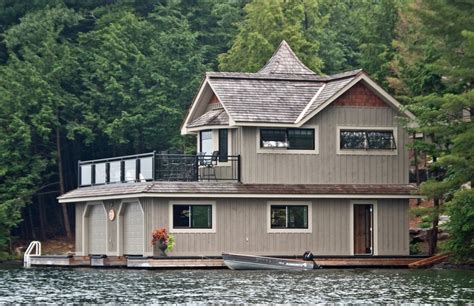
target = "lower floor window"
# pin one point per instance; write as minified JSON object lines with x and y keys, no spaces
{"x":289,"y":216}
{"x":192,"y":216}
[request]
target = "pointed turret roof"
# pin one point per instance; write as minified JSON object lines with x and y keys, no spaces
{"x":285,"y":61}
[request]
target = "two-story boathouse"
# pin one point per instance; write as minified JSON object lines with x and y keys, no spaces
{"x":289,"y":161}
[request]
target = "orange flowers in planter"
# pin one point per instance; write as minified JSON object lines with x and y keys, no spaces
{"x":161,"y":236}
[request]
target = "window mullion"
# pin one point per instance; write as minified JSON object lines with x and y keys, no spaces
{"x":286,"y":219}
{"x":190,"y":216}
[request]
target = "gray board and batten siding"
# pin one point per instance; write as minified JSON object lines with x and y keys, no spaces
{"x":242,"y":227}
{"x":328,"y":167}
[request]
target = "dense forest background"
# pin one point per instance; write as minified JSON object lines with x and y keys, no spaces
{"x":85,"y":79}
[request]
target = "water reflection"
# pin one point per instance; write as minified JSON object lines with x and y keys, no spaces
{"x":49,"y":285}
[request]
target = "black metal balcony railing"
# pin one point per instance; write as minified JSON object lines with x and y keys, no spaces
{"x":159,"y":167}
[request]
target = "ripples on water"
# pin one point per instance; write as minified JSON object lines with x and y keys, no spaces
{"x":86,"y":285}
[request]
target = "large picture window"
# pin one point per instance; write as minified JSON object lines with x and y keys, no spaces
{"x":289,"y":216}
{"x":367,"y":140}
{"x":192,"y":216}
{"x":290,"y":139}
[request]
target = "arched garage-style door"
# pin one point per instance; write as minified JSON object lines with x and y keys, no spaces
{"x":132,"y":229}
{"x":97,"y":229}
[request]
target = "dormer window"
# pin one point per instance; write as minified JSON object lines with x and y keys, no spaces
{"x":289,"y":139}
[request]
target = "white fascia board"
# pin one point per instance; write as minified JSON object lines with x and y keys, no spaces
{"x":263,"y":124}
{"x":241,"y":195}
{"x":310,"y":103}
{"x":196,"y":100}
{"x":194,"y":130}
{"x":378,"y":90}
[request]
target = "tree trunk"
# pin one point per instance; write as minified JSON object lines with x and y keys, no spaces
{"x":417,"y":171}
{"x":67,"y":226}
{"x":32,"y":226}
{"x":41,"y":218}
{"x":433,"y":241}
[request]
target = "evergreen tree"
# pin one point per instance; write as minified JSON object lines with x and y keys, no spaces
{"x":439,"y":73}
{"x":266,"y":24}
{"x":38,"y":107}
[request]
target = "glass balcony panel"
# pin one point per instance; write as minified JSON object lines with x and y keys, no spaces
{"x":130,"y":170}
{"x":146,"y":168}
{"x":100,"y":173}
{"x":86,"y":175}
{"x":114,"y":172}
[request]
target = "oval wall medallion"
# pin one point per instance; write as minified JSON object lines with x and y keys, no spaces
{"x":112,"y":214}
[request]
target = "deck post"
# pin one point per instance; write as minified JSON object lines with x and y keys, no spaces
{"x":79,"y":173}
{"x":238,"y":168}
{"x":153,"y":166}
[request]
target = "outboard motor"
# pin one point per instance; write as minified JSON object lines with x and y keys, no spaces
{"x":308,"y":256}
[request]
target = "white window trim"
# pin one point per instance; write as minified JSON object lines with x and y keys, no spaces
{"x":286,"y":151}
{"x":271,"y":230}
{"x":192,"y":230}
{"x":375,"y":225}
{"x":364,"y":151}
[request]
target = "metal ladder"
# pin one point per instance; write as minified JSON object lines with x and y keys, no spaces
{"x":34,"y":245}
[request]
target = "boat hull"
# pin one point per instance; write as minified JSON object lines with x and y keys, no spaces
{"x":249,"y":262}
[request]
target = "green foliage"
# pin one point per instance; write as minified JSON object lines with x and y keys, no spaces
{"x":461,"y":225}
{"x":266,"y":24}
{"x":33,"y":95}
{"x":415,"y":248}
{"x":119,"y":85}
{"x":139,"y":76}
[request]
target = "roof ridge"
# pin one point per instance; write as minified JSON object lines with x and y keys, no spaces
{"x":284,"y":76}
{"x":311,"y":102}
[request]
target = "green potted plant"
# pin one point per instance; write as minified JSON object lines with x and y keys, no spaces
{"x":162,"y":241}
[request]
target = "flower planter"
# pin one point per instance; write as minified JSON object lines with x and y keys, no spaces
{"x":159,"y":248}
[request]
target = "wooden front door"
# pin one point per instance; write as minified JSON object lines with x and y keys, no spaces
{"x":363,"y":224}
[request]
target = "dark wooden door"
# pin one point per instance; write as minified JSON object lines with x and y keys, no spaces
{"x":363,"y":220}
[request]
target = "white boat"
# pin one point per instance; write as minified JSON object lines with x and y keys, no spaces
{"x":252,"y":262}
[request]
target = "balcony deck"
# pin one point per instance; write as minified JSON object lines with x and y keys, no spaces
{"x":154,"y":166}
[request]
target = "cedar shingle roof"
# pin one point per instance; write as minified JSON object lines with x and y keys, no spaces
{"x":283,"y":91}
{"x":262,"y":100}
{"x":229,"y":189}
{"x":284,"y":60}
{"x":213,"y":117}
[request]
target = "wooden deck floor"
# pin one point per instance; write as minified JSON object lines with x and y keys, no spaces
{"x":191,"y":263}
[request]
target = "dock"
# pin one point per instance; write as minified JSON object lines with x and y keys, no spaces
{"x":216,"y":262}
{"x":428,"y":262}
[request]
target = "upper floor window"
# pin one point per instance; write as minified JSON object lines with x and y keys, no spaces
{"x":367,"y":140}
{"x":290,"y":139}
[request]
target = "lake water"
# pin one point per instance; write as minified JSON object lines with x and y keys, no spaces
{"x":86,"y":285}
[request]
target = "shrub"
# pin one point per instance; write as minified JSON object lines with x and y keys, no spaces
{"x":461,"y":225}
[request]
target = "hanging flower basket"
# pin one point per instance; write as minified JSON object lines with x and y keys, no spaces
{"x":162,"y":242}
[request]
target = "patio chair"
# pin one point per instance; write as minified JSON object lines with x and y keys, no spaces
{"x":208,"y":170}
